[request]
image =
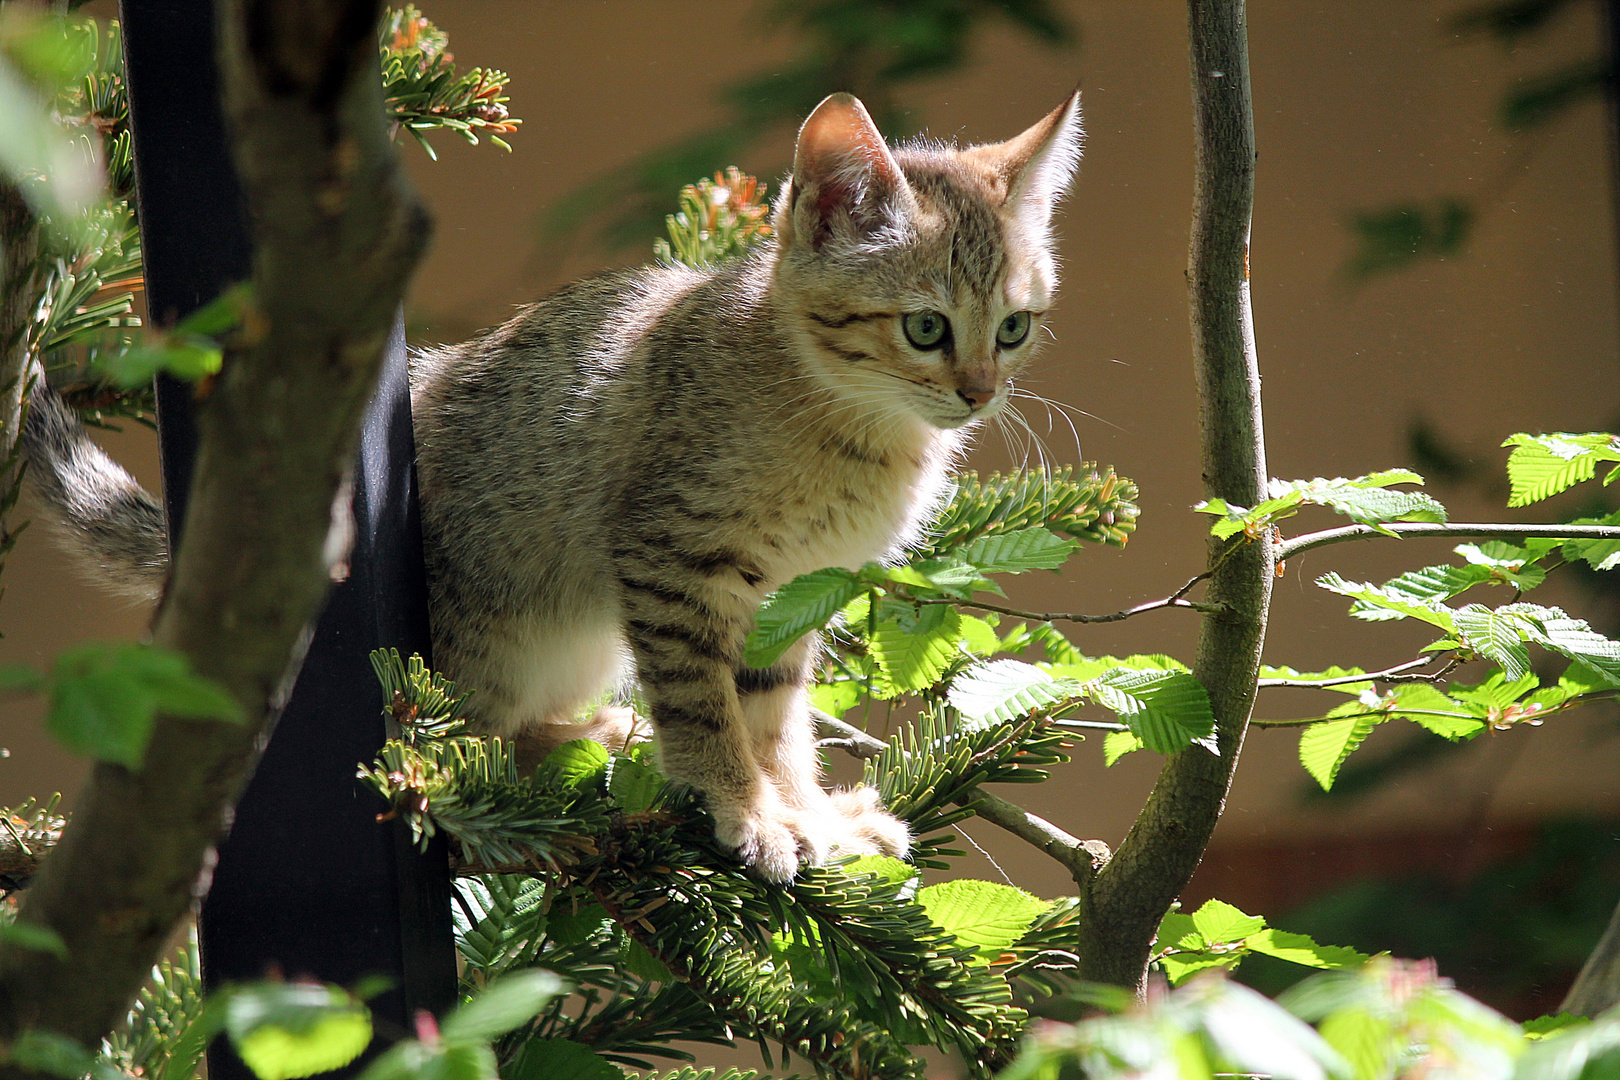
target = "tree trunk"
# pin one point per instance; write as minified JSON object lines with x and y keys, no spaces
{"x":1129,"y":895}
{"x":337,"y":234}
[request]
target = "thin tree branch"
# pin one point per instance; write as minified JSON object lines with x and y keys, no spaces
{"x":1538,"y":714}
{"x":337,"y":234}
{"x":1063,"y":616}
{"x":1121,"y":911}
{"x":1081,"y":858}
{"x":1460,"y":530}
{"x":1398,"y":673}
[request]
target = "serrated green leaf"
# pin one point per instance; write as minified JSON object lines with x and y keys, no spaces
{"x":104,"y":698}
{"x":634,"y":780}
{"x":1178,"y":931}
{"x":574,"y":764}
{"x":1497,"y":691}
{"x":836,"y":698}
{"x":1219,"y":922}
{"x":1005,"y":690}
{"x":559,"y":1059}
{"x":1335,"y":672}
{"x":806,"y":603}
{"x":1020,"y":551}
{"x":1372,"y":596}
{"x":1427,"y":707}
{"x":1168,"y":710}
{"x":1300,"y":949}
{"x":913,"y":661}
{"x":1181,"y":966}
{"x":1119,"y":743}
{"x":1541,"y":466}
{"x":884,"y":866}
{"x":287,"y":1030}
{"x":1363,"y":499}
{"x":978,"y":636}
{"x":501,"y":1006}
{"x":1324,"y":747}
{"x":984,"y":914}
{"x":1498,"y":638}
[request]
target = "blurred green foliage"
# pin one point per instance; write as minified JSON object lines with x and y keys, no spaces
{"x":870,"y":48}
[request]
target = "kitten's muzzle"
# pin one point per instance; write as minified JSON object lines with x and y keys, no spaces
{"x":977,"y":395}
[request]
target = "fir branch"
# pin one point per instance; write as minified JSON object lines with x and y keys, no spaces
{"x":1079,"y":857}
{"x":1095,"y":506}
{"x":29,"y":832}
{"x":718,"y":219}
{"x":1461,"y":530}
{"x":422,"y":92}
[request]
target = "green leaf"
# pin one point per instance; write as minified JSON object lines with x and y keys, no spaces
{"x":1373,"y":597}
{"x":1167,"y":710}
{"x":1335,"y":672}
{"x":635,"y":958}
{"x":1119,"y":743}
{"x":635,"y":780}
{"x":1219,"y":922}
{"x":984,"y":914}
{"x":1324,"y":747}
{"x":575,"y":764}
{"x":288,"y":1030}
{"x":34,"y":937}
{"x":978,"y":636}
{"x":1497,"y":637}
{"x":1005,"y":690}
{"x":806,"y":603}
{"x":50,"y":1053}
{"x":503,"y":1005}
{"x":914,"y":660}
{"x":836,"y":698}
{"x":1179,"y":967}
{"x":1598,"y":554}
{"x":884,"y":866}
{"x":559,"y":1059}
{"x":104,"y":698}
{"x":1300,"y":949}
{"x":1178,"y":931}
{"x":1016,"y":552}
{"x":1541,"y":466}
{"x":1546,"y":1025}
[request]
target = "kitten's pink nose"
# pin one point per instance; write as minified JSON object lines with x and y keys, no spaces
{"x":977,"y":395}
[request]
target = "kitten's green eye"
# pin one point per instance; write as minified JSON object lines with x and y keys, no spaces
{"x":1013,"y":329}
{"x":925,"y":329}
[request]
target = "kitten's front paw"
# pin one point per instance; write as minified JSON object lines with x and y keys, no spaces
{"x":872,"y":830}
{"x":767,"y":840}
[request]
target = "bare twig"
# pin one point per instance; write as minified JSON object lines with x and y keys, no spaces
{"x":1064,"y":616}
{"x":1459,"y":530}
{"x":1398,"y":673}
{"x":1081,"y":858}
{"x":1551,"y":710}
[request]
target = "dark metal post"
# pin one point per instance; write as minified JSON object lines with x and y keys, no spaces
{"x":307,"y":883}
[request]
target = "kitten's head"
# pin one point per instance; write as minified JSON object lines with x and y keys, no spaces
{"x":916,"y":278}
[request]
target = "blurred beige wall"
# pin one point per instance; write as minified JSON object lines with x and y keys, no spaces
{"x":1358,"y":104}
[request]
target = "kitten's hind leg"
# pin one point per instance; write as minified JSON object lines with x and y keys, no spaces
{"x":776,"y":707}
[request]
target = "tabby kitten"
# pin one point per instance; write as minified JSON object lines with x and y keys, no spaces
{"x":615,"y":479}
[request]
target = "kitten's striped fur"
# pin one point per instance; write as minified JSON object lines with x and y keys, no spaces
{"x":613,"y":480}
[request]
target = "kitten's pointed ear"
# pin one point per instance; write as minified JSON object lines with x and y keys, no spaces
{"x":1038,"y":165}
{"x":845,"y":180}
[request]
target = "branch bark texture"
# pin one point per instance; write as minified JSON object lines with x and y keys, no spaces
{"x":337,"y":233}
{"x":1132,"y":892}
